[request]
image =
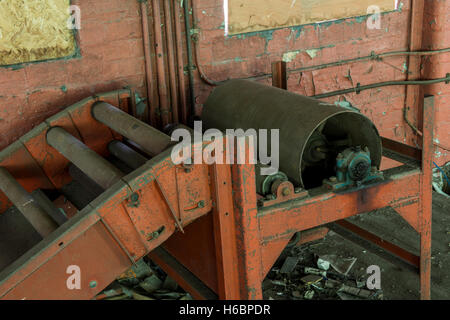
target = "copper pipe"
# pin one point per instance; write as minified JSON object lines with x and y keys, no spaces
{"x":162,"y":87}
{"x":171,"y":59}
{"x":180,"y":61}
{"x":148,"y":62}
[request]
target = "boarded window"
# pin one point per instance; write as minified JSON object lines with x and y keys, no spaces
{"x":257,"y":15}
{"x":33,"y":30}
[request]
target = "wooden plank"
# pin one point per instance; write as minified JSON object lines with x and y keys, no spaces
{"x":250,"y":15}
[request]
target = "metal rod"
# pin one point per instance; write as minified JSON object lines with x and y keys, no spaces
{"x":26,"y":204}
{"x":93,"y":165}
{"x":124,"y":153}
{"x":190,"y":56}
{"x":171,"y":60}
{"x":162,"y":86}
{"x":148,"y":62}
{"x":180,"y":61}
{"x":150,"y":139}
{"x":279,"y":78}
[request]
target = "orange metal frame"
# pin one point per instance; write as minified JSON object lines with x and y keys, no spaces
{"x":201,"y":224}
{"x":232,"y":250}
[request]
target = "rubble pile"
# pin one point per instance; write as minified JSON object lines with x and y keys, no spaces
{"x":299,"y":274}
{"x":144,"y":281}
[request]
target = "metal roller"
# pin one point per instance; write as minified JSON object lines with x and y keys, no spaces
{"x":312,"y":132}
{"x":87,"y":160}
{"x":26,"y":204}
{"x":150,"y":139}
{"x":124,"y":153}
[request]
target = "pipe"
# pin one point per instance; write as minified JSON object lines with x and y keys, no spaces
{"x":26,"y":204}
{"x":150,"y":139}
{"x":127,"y":155}
{"x":180,"y":62}
{"x":87,"y":160}
{"x":190,"y":59}
{"x":162,"y":87}
{"x":373,"y":56}
{"x":171,"y":59}
{"x":358,"y":89}
{"x":148,"y":62}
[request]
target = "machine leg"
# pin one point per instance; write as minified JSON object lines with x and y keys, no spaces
{"x":426,"y":199}
{"x":247,"y":227}
{"x":225,"y":234}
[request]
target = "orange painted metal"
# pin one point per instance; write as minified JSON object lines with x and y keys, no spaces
{"x":426,"y":198}
{"x":229,"y":243}
{"x":312,"y":235}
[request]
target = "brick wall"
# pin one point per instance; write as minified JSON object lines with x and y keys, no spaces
{"x":112,"y":57}
{"x":246,"y":55}
{"x":111,"y":46}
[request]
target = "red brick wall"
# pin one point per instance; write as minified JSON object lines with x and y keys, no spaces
{"x":112,"y":57}
{"x":111,"y":46}
{"x":229,"y":57}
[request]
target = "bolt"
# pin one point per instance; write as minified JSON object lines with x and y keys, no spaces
{"x":286,"y":191}
{"x":135,"y":197}
{"x":201,"y":204}
{"x":93,"y":284}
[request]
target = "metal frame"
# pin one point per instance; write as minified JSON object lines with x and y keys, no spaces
{"x":227,"y":252}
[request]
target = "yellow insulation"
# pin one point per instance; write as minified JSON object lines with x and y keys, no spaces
{"x":33,"y":30}
{"x":258,"y":15}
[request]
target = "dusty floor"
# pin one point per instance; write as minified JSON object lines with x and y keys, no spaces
{"x":396,"y":282}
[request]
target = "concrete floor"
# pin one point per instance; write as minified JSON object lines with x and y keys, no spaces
{"x":397,"y":283}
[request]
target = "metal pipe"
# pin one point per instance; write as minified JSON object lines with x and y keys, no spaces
{"x":124,"y":153}
{"x":88,"y":184}
{"x":190,"y":59}
{"x":162,"y":86}
{"x":180,"y":61}
{"x":87,"y":160}
{"x":148,"y":62}
{"x":26,"y":204}
{"x":171,"y":59}
{"x":150,"y":139}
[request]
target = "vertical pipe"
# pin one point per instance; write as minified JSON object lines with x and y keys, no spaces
{"x":279,"y":78}
{"x":180,"y":61}
{"x":190,"y":60}
{"x":162,"y":86}
{"x":26,"y":204}
{"x":148,"y":62}
{"x":171,"y":59}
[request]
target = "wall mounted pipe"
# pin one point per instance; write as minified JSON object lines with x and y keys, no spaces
{"x":26,"y":204}
{"x":162,"y":84}
{"x":150,"y":139}
{"x":148,"y":62}
{"x":171,"y":60}
{"x":180,"y":61}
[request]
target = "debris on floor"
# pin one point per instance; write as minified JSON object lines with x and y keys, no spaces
{"x":303,"y":275}
{"x":144,"y":281}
